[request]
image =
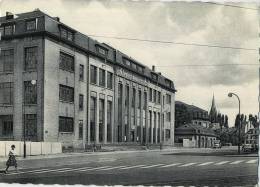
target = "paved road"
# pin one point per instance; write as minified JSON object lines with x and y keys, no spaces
{"x":139,"y":168}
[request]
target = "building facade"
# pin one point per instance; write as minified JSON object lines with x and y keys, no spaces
{"x":59,"y":85}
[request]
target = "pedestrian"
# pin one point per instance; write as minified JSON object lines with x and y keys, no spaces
{"x":161,"y":146}
{"x":11,"y":159}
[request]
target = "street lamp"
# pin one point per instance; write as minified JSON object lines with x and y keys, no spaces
{"x":239,"y":127}
{"x":33,"y":82}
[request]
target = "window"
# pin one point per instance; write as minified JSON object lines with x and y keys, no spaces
{"x":109,"y":80}
{"x":81,"y":72}
{"x":81,"y":102}
{"x":150,"y":94}
{"x":159,"y":97}
{"x":31,"y":25}
{"x":66,"y":34}
{"x":168,"y":99}
{"x":145,"y":101}
{"x":133,"y":97}
{"x":109,"y":121}
{"x":30,"y":121}
{"x":30,"y":92}
{"x":66,"y":62}
{"x":31,"y":54}
{"x":168,"y":83}
{"x":154,"y":96}
{"x":120,"y":120}
{"x":168,"y":116}
{"x":126,"y":62}
{"x":139,"y":99}
{"x":102,"y":50}
{"x":102,"y":77}
{"x":6,"y":93}
{"x":93,"y":74}
{"x":66,"y":124}
{"x":167,"y":134}
{"x":92,"y":118}
{"x":134,"y":66}
{"x":101,"y":118}
{"x":6,"y":125}
{"x":66,"y":93}
{"x":7,"y":30}
{"x":154,"y":76}
{"x":80,"y":129}
{"x":140,"y":69}
{"x":7,"y":60}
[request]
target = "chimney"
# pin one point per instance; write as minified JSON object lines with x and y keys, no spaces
{"x":57,"y":19}
{"x":9,"y":15}
{"x":159,"y":73}
{"x":153,"y":68}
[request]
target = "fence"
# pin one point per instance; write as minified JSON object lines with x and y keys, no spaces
{"x":32,"y":148}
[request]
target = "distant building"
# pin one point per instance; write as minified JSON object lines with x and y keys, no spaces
{"x":194,"y":135}
{"x":252,"y":136}
{"x":185,"y":113}
{"x":62,"y":86}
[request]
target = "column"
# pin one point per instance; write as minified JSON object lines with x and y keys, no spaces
{"x":135,"y":113}
{"x":123,"y":112}
{"x":156,"y":128}
{"x":129,"y":112}
{"x":115,"y":112}
{"x":141,"y":116}
{"x":97,"y":121}
{"x":105,"y":121}
{"x":152,"y":125}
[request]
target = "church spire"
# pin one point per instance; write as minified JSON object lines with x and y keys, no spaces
{"x":213,"y":111}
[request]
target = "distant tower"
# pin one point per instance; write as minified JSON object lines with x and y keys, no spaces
{"x":213,"y":111}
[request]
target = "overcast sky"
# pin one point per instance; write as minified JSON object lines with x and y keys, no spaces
{"x":179,"y":22}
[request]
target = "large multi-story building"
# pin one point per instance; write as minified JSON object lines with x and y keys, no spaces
{"x":57,"y":84}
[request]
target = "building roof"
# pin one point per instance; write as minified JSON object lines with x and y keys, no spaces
{"x":87,"y":44}
{"x":190,"y":108}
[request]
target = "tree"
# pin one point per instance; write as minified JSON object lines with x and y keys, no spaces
{"x":237,"y":121}
{"x":226,"y":121}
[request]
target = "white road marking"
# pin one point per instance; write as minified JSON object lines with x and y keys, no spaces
{"x":221,"y":163}
{"x":116,"y":167}
{"x":37,"y":171}
{"x":170,"y":165}
{"x":205,"y":163}
{"x":90,"y":169}
{"x":151,"y":166}
{"x":251,"y":161}
{"x":189,"y":164}
{"x":68,"y":170}
{"x":50,"y":170}
{"x":237,"y":162}
{"x":130,"y":167}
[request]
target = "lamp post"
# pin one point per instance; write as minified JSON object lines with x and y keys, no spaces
{"x":33,"y":82}
{"x":239,"y":127}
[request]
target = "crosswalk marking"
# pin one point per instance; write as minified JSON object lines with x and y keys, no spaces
{"x":170,"y":165}
{"x":251,"y":161}
{"x":237,"y":162}
{"x":130,"y":167}
{"x":221,"y":163}
{"x":117,"y":167}
{"x":205,"y":163}
{"x":90,"y":169}
{"x":151,"y":166}
{"x":189,"y":164}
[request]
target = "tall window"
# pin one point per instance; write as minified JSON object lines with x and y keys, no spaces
{"x":109,"y":80}
{"x":31,"y":54}
{"x":81,"y":72}
{"x":150,"y":94}
{"x":7,"y":30}
{"x":168,"y":99}
{"x":109,"y":121}
{"x":31,"y":25}
{"x":66,"y":124}
{"x":139,"y":99}
{"x":101,"y":118}
{"x":6,"y":125}
{"x":145,"y":101}
{"x":159,"y":97}
{"x":6,"y":93}
{"x":102,"y":77}
{"x":66,"y":62}
{"x":154,"y":125}
{"x":66,"y":93}
{"x":167,"y":134}
{"x":154,"y":96}
{"x":7,"y":60}
{"x":93,"y":74}
{"x":92,"y":118}
{"x":80,"y":129}
{"x":81,"y":102}
{"x":30,"y":126}
{"x":168,"y":116}
{"x":66,"y":34}
{"x":30,"y":93}
{"x":133,"y":97}
{"x":120,"y":120}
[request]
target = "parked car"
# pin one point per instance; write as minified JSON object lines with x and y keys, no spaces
{"x":216,"y":145}
{"x":249,"y":147}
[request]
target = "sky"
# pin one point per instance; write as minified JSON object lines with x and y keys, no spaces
{"x":183,"y":22}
